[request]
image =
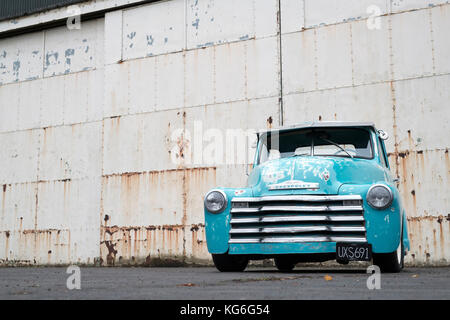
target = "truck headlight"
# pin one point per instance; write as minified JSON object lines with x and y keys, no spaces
{"x":379,"y":197}
{"x":215,"y":201}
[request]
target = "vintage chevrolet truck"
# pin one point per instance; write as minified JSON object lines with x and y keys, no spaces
{"x":318,"y":191}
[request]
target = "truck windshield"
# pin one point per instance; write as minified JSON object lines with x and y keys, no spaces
{"x":334,"y":142}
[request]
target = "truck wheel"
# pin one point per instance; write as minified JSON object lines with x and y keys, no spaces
{"x":284,"y":264}
{"x":229,"y":263}
{"x":391,"y":262}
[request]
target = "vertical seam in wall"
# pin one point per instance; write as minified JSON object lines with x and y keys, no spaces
{"x":352,"y":53}
{"x":280,"y":52}
{"x":185,"y":23}
{"x":102,"y":147}
{"x":393,"y":98}
{"x":316,"y":76}
{"x":246,"y":69}
{"x":430,"y":15}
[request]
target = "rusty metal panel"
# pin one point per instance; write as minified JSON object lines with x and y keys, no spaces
{"x":409,"y":59}
{"x":21,"y":58}
{"x":18,"y":159}
{"x":74,"y":50}
{"x":371,"y":52}
{"x":299,"y":61}
{"x":9,"y":107}
{"x":429,"y":238}
{"x":78,"y":205}
{"x":440,"y":17}
{"x":323,"y":12}
{"x":153,"y":29}
{"x":292,"y":15}
{"x":17,"y":206}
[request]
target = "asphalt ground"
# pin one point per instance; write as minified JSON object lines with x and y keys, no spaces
{"x":206,"y":283}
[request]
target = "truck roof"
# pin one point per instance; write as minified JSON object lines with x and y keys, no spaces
{"x":321,"y":124}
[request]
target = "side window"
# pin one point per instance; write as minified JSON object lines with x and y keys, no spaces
{"x":381,"y":152}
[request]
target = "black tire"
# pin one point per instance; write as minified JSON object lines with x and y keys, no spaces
{"x":230,"y":263}
{"x":284,"y":264}
{"x":389,"y":262}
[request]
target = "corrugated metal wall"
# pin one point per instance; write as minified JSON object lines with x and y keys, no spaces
{"x":16,"y":8}
{"x":87,"y":117}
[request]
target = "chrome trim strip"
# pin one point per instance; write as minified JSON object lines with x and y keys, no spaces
{"x":298,"y":239}
{"x":298,"y":219}
{"x":297,"y":229}
{"x":297,"y":209}
{"x":312,"y":198}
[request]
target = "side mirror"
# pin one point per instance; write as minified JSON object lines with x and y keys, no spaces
{"x":383,"y":135}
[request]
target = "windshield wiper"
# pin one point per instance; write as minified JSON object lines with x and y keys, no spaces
{"x":335,"y":144}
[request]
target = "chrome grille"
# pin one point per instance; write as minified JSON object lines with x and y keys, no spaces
{"x":297,"y":218}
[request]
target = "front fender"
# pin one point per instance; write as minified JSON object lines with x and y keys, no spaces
{"x":217,"y":225}
{"x":383,"y":226}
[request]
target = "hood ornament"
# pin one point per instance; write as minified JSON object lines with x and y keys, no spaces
{"x":294,"y":184}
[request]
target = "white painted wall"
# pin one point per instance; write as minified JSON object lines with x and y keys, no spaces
{"x":87,"y":116}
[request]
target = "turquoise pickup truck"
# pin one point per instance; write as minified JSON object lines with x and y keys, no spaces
{"x":318,"y":191}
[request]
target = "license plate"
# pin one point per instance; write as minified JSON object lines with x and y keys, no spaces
{"x":353,"y":251}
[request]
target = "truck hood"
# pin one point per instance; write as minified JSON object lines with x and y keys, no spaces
{"x":326,"y":173}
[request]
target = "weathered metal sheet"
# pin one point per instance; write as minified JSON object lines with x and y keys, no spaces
{"x":9,"y":107}
{"x":232,"y":62}
{"x":262,"y":68}
{"x":292,"y":15}
{"x":334,"y":70}
{"x":212,"y":22}
{"x":113,"y":36}
{"x":371,"y":52}
{"x":410,"y":60}
{"x":299,"y":62}
{"x":323,"y":12}
{"x":78,"y":205}
{"x":21,"y":58}
{"x":441,"y":47}
{"x":360,"y":103}
{"x":71,"y":152}
{"x":408,"y":5}
{"x":200,"y":76}
{"x":132,"y":144}
{"x":169,"y":75}
{"x":153,"y":29}
{"x":19,"y":156}
{"x":74,"y":50}
{"x":422,"y":118}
